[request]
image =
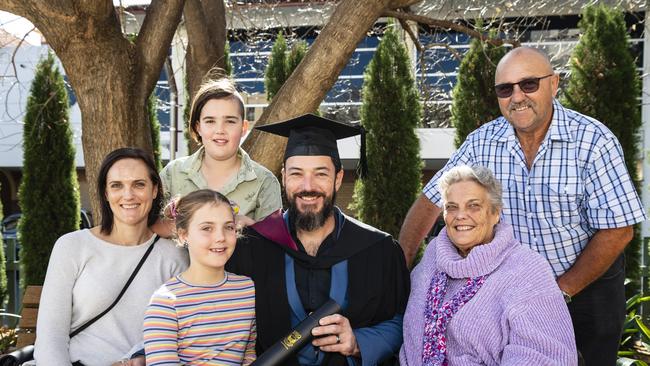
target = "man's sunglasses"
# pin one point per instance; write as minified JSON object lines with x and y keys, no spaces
{"x":528,"y":86}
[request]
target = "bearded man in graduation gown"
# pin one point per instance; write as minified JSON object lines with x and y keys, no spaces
{"x":302,"y":257}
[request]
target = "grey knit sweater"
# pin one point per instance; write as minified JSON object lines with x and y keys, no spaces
{"x":84,"y":276}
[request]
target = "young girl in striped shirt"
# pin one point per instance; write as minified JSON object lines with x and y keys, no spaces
{"x":205,"y":315}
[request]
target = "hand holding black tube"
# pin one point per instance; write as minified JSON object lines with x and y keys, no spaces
{"x":297,"y":338}
{"x":335,"y":334}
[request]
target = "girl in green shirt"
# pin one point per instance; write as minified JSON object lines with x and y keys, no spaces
{"x":217,"y":123}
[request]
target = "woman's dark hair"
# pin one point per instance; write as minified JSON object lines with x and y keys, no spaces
{"x":109,"y":161}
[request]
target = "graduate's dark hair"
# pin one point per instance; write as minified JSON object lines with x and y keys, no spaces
{"x":215,"y":86}
{"x":337,"y":164}
{"x":106,"y":226}
{"x":335,"y":161}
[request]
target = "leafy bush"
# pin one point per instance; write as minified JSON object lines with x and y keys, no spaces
{"x":635,"y":349}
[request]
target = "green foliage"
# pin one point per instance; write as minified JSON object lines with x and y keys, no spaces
{"x":605,"y":85}
{"x":474,"y":99}
{"x":3,"y":262}
{"x":276,"y":71}
{"x":8,"y":337}
{"x":295,"y":56}
{"x":634,"y":349}
{"x":49,"y":191}
{"x":390,"y":113}
{"x":282,"y":62}
{"x":155,"y":129}
{"x":226,"y":55}
{"x":625,"y":361}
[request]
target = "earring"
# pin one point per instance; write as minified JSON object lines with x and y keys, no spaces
{"x":186,"y":244}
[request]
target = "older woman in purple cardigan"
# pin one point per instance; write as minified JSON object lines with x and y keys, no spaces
{"x":478,"y":296}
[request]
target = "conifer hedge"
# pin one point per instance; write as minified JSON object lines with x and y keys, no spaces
{"x":474,"y":100}
{"x":276,"y":70}
{"x":390,"y":113}
{"x":282,"y":61}
{"x":49,"y":191}
{"x":604,"y":84}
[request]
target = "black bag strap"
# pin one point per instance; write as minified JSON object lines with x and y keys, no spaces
{"x":126,"y":286}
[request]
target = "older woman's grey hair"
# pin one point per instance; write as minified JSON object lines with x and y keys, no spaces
{"x":478,"y":174}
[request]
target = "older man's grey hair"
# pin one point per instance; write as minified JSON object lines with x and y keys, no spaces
{"x":478,"y":174}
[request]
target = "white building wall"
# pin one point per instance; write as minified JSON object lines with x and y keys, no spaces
{"x":15,"y":81}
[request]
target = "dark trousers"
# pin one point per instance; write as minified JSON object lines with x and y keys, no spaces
{"x":598,"y":313}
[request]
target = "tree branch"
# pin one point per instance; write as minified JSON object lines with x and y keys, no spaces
{"x":395,"y":4}
{"x":205,"y":22}
{"x":13,"y":55}
{"x":198,"y":39}
{"x":16,"y":7}
{"x":216,"y":11}
{"x":447,"y":24}
{"x":97,"y":9}
{"x":54,"y":10}
{"x":448,"y":47}
{"x":206,"y":32}
{"x":412,"y":35}
{"x":153,"y":41}
{"x":315,"y":75}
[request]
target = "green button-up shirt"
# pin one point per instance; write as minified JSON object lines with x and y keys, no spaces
{"x":255,"y":189}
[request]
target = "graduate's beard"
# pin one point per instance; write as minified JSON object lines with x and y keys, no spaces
{"x":311,"y":220}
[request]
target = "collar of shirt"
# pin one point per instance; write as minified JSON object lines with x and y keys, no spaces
{"x":192,"y":167}
{"x":558,"y":131}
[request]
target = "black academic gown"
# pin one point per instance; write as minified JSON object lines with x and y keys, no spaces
{"x":378,"y":280}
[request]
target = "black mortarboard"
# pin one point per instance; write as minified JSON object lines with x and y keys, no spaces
{"x":310,"y":135}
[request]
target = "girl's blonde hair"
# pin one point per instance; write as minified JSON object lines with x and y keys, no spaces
{"x":181,"y":209}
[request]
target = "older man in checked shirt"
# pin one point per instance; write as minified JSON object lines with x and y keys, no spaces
{"x":567,"y":194}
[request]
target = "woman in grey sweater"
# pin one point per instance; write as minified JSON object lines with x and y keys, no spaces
{"x":88,"y":269}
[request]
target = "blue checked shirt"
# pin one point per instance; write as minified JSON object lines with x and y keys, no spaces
{"x":578,"y":183}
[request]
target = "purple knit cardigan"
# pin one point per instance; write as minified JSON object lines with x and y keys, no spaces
{"x":518,"y":317}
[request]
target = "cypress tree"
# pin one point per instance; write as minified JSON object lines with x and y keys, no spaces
{"x":49,"y":191}
{"x":605,"y":85}
{"x":390,"y":113}
{"x":276,"y":71}
{"x":282,"y":61}
{"x":474,"y":100}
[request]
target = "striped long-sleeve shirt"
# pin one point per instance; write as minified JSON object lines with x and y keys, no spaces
{"x":208,"y":325}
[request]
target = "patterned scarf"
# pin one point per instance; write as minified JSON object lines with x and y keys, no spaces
{"x":437,"y":314}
